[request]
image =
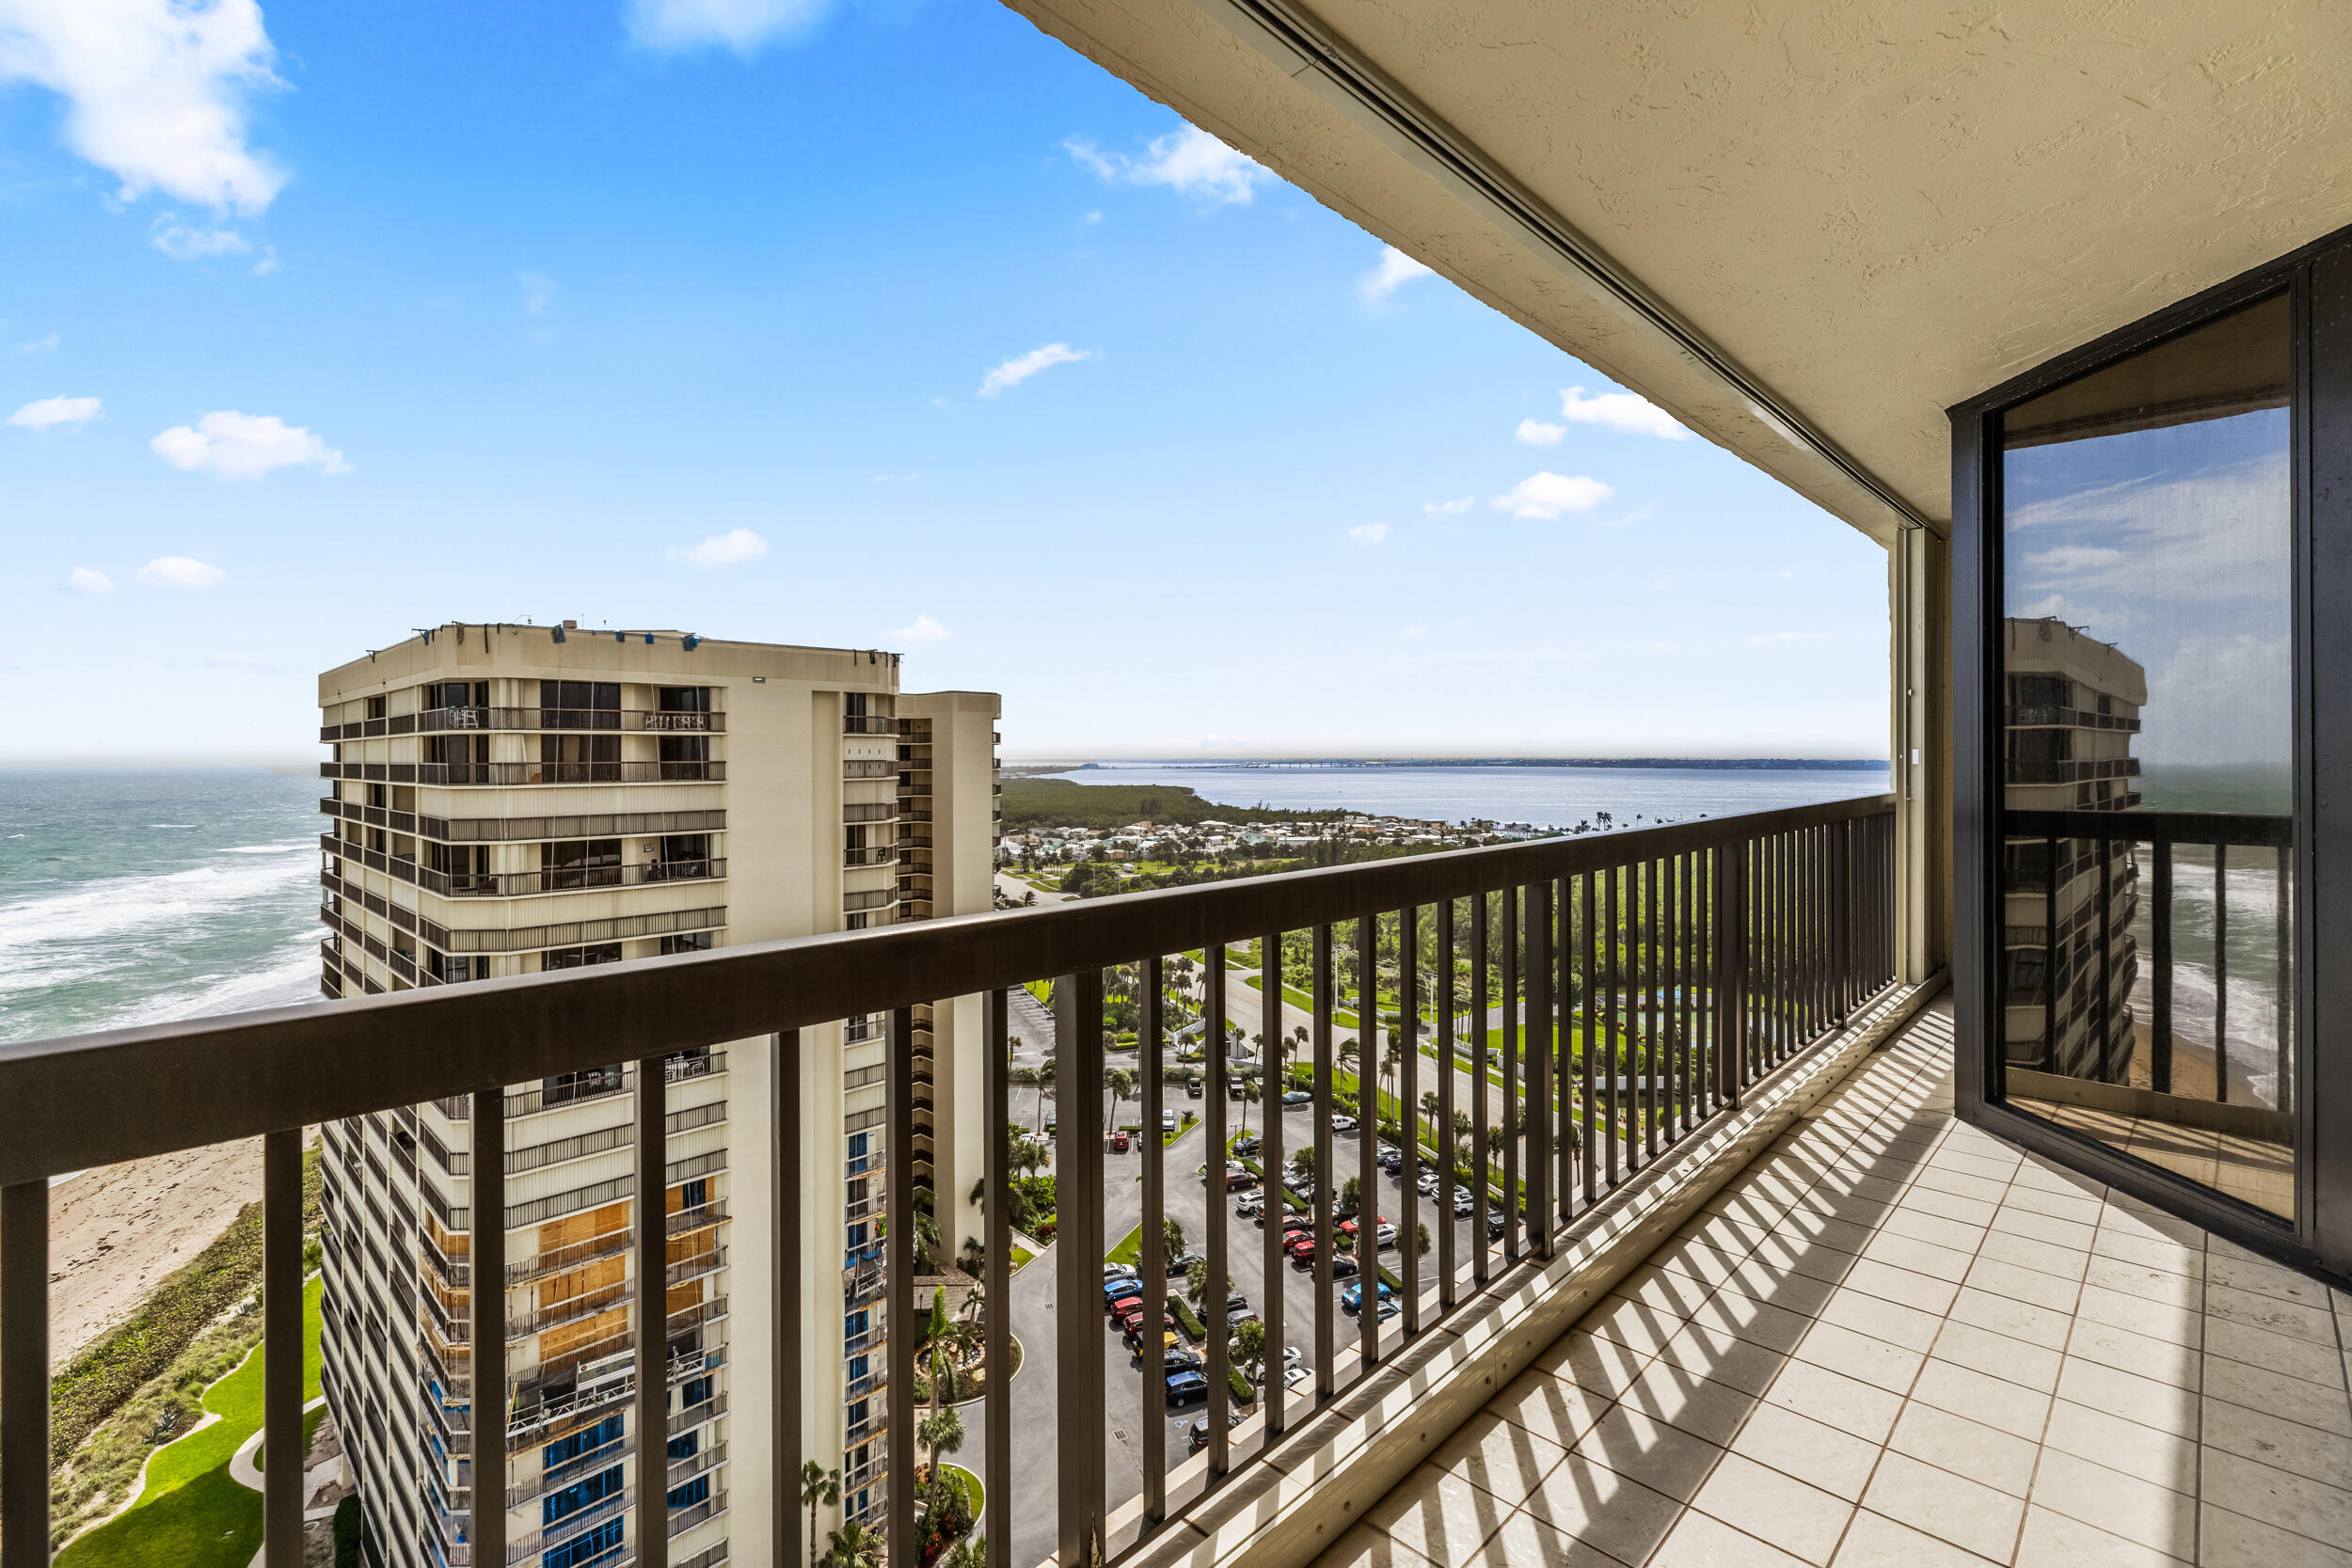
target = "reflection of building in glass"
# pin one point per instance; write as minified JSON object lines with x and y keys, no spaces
{"x":2071,"y":708}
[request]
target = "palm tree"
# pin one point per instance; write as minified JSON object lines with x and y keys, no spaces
{"x":941,"y":1433}
{"x":1120,"y":1081}
{"x":853,"y":1546}
{"x":818,"y":1485}
{"x":1250,"y":1095}
{"x":1429,"y":1107}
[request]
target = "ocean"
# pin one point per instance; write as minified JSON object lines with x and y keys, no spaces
{"x":1543,"y":797}
{"x":138,"y":895}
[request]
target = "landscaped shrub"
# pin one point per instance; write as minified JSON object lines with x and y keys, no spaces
{"x":347,"y":1533}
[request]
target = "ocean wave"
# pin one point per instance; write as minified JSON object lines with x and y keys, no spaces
{"x":298,"y":844}
{"x":61,"y":936}
{"x":286,"y":978}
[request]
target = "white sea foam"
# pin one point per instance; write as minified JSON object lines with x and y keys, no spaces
{"x":294,"y":847}
{"x":60,"y":936}
{"x":286,"y":977}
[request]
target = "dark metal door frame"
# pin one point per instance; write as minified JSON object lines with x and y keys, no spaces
{"x":2318,"y":277}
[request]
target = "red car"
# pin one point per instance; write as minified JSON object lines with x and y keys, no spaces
{"x":1298,"y":1222}
{"x":1126,"y":1306}
{"x":1300,"y":1244}
{"x":1347,"y":1226}
{"x":1118,"y":1143}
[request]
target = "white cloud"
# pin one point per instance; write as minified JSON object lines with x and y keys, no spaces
{"x":1189,"y":162}
{"x":2073,"y":560}
{"x":268,"y":264}
{"x":538,"y":292}
{"x":730,"y":549}
{"x":1095,"y":218}
{"x":1443,"y":509}
{"x":1768,"y":637}
{"x":186,"y":243}
{"x":1368,"y":533}
{"x":1394,"y":270}
{"x":40,"y":345}
{"x":1537,"y":433}
{"x":178,"y":571}
{"x":924,"y":630}
{"x":742,"y":26}
{"x":154,"y":90}
{"x":48,"y":413}
{"x":245,"y":446}
{"x":1626,"y":411}
{"x":1547,"y":494}
{"x":83,"y":580}
{"x":1013,"y":371}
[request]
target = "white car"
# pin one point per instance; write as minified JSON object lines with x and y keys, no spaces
{"x":1295,"y":1378}
{"x":1250,"y":1207}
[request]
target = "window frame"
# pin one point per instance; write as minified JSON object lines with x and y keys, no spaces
{"x":2317,"y":279}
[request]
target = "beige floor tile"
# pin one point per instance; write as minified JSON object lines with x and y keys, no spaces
{"x":2019,"y":1283}
{"x":1802,"y":1520}
{"x":1904,"y":1252}
{"x":1639,"y":1328}
{"x":2000,"y":1460}
{"x":1666,"y":1290}
{"x":1968,"y":1345}
{"x":1949,"y":1507}
{"x":1437,"y":1515}
{"x":2291,"y":1502}
{"x":1701,"y":1541}
{"x":1756,"y":1321}
{"x":2128,"y":1214}
{"x":2279,"y":1315}
{"x":2154,"y":1252}
{"x":2019,"y":1320}
{"x":1782,"y":1288}
{"x":2146,"y":1401}
{"x":1525,"y":1541}
{"x":1858,"y":1355}
{"x":2054,"y":1540}
{"x":1498,"y":1456}
{"x":2228,"y":1540}
{"x":2279,"y":1352}
{"x":1837,"y":1462}
{"x":2028,"y":1252}
{"x":1903,"y":1287}
{"x":1555,"y":1409}
{"x":1641,"y":1447}
{"x":1922,"y":1225}
{"x":2033,"y":1171}
{"x":1874,"y":1541}
{"x":1699,"y":1258}
{"x":1958,"y":1208}
{"x":1880,"y":1319}
{"x":1366,"y":1547}
{"x":2259,"y":1388}
{"x":2126,"y":1505}
{"x":1960,"y":1184}
{"x":2242,"y":1272}
{"x":1995,"y":1402}
{"x":2147,"y":1281}
{"x":2162,"y":1360}
{"x":2284,"y":1445}
{"x":1712,"y":1353}
{"x":2167,"y":1458}
{"x":2155,"y":1319}
{"x":2082,"y":1208}
{"x":1696,"y":1404}
{"x":1836,"y":1400}
{"x":1596,"y":1505}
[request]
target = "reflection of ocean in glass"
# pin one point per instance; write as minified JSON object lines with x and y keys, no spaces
{"x":2253,"y":966}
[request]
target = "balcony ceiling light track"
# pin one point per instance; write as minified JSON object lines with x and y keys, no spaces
{"x":1310,"y":53}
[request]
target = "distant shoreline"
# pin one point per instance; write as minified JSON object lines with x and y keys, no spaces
{"x":1242,"y":765}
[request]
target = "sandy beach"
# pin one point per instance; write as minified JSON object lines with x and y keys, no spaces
{"x":116,"y":1231}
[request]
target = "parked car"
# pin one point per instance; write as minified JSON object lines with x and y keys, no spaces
{"x":1463,"y":1202}
{"x":1181,"y":1261}
{"x":1390,"y":1158}
{"x":1236,"y":1299}
{"x":1340,"y":1122}
{"x":1118,"y":1143}
{"x":1352,"y":1299}
{"x":1298,"y":1222}
{"x":1347,"y":1225}
{"x":1251,"y":1204}
{"x":1238,"y":1316}
{"x":1133,"y":1338}
{"x":1295,"y":1378}
{"x":1343,"y":1266}
{"x":1294,"y":1356}
{"x":1179,"y":1358}
{"x":1194,"y":1091}
{"x":1428,"y":1183}
{"x":1197,"y":1434}
{"x":1247,"y":1145}
{"x":1495,"y":1223}
{"x":1186,"y":1387}
{"x":1385,"y":1236}
{"x":1299,"y":1241}
{"x":1167,"y":1121}
{"x":1297,"y":1096}
{"x":1130,"y":1296}
{"x":1119,"y":1271}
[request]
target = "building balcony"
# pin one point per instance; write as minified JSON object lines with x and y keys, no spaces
{"x":628,"y":721}
{"x":869,"y":723}
{"x":468,"y":774}
{"x":579,"y":879}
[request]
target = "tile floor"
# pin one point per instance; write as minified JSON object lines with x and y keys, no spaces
{"x":1894,"y":1341}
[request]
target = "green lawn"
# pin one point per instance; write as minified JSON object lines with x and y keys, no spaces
{"x":192,"y":1514}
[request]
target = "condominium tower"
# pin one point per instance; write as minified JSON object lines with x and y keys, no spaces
{"x":2071,"y":706}
{"x":509,"y":799}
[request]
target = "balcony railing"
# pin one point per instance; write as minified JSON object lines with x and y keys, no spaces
{"x":565,"y":878}
{"x":469,"y":773}
{"x":1661,"y":973}
{"x":441,"y":720}
{"x":869,"y":723}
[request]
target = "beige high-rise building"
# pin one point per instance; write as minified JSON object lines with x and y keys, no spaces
{"x":509,"y":799}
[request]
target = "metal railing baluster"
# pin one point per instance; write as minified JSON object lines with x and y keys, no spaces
{"x":485,"y":1353}
{"x":1449,"y":1069}
{"x":2160,"y":1029}
{"x":1213,"y":1295}
{"x":1612,"y":1033}
{"x":1367,"y":1137}
{"x":787,"y":1263}
{"x":25,"y":1375}
{"x":898,"y":1290}
{"x":996,"y":1078}
{"x":1514,"y":1034}
{"x":1543,"y":1036}
{"x":1482,"y":1096}
{"x":281,"y":1350}
{"x":1078,"y":1371}
{"x":1408,"y":1113}
{"x":1588,"y":996}
{"x":1327,"y":1376}
{"x":2221,"y":973}
{"x":1272,"y":1083}
{"x":1150,"y":1046}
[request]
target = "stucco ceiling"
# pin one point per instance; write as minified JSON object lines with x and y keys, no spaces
{"x":1806,"y":228}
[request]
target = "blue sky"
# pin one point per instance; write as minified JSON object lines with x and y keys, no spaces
{"x":950,"y":341}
